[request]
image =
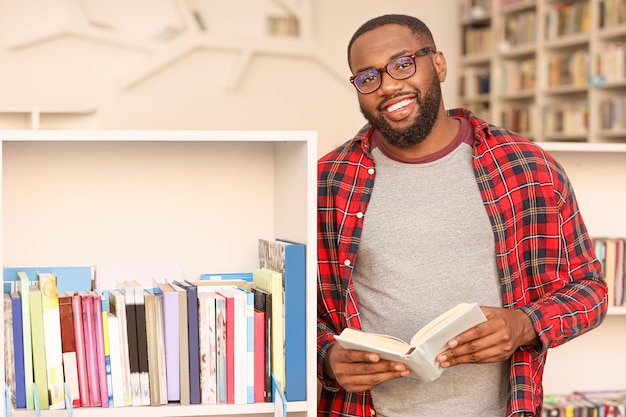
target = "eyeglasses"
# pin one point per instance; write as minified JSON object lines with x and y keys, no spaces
{"x":368,"y":81}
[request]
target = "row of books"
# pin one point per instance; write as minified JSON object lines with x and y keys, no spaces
{"x":586,"y":404}
{"x":571,"y":118}
{"x":566,"y":19}
{"x":518,"y":30}
{"x":220,"y":339}
{"x":613,"y":114}
{"x":611,"y":252}
{"x":612,"y":13}
{"x":570,"y":69}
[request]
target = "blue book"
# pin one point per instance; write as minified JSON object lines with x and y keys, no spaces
{"x":249,"y":344}
{"x":243,"y":276}
{"x":18,"y":349}
{"x":69,"y":278}
{"x":194,"y":347}
{"x":290,"y":259}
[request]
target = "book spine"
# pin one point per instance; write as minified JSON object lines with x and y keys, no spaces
{"x":249,"y":315}
{"x":81,"y":361}
{"x":68,"y":347}
{"x":131,"y":333}
{"x":107,"y":347}
{"x":18,"y":342}
{"x":100,"y":355}
{"x":220,"y":349}
{"x":259,"y":356}
{"x":52,"y":335}
{"x":115,"y":352}
{"x":171,"y":332}
{"x":38,"y":347}
{"x":27,"y":339}
{"x":183,"y":346}
{"x":118,"y":309}
{"x":93,"y":381}
{"x":142,"y":345}
{"x":194,"y":353}
{"x":206,"y":338}
{"x":9,"y":359}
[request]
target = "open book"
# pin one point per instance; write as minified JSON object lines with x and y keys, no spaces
{"x":420,"y":355}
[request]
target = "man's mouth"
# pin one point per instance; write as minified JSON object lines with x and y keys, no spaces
{"x":399,"y":105}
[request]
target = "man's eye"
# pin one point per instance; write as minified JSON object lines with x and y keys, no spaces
{"x":368,"y":78}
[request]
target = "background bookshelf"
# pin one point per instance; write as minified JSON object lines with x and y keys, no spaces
{"x":199,"y":199}
{"x":556,"y":71}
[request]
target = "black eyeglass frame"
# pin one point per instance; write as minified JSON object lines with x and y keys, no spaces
{"x":421,"y":52}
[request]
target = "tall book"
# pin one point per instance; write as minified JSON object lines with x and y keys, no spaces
{"x":91,"y":353}
{"x":115,"y":353}
{"x":27,"y":339}
{"x":183,"y":345}
{"x":18,"y":350}
{"x":52,"y":335}
{"x":38,"y":347}
{"x":68,"y":347}
{"x":9,"y":359}
{"x":236,"y":305}
{"x":171,"y":334}
{"x":104,"y":297}
{"x":142,"y":343}
{"x":207,"y":337}
{"x":272,"y":282}
{"x":81,"y":358}
{"x":289,"y":258}
{"x":153,"y":361}
{"x":101,"y":356}
{"x":131,"y":333}
{"x":193,"y":346}
{"x":263,"y":358}
{"x":117,"y":307}
{"x":160,"y":338}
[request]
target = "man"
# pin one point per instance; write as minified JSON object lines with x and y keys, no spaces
{"x":424,"y":209}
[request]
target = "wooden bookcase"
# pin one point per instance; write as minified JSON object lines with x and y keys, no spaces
{"x":200,"y":199}
{"x":555,"y":69}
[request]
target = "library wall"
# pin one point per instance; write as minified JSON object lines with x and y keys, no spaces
{"x":78,"y":63}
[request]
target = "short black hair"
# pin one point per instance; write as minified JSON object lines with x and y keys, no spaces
{"x":417,"y":27}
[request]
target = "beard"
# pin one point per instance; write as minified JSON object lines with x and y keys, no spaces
{"x":428,"y":103}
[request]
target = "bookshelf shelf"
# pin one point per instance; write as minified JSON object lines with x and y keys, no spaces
{"x":198,"y":199}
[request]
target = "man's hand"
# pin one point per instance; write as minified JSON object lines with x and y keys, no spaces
{"x":492,"y":341}
{"x":357,"y":371}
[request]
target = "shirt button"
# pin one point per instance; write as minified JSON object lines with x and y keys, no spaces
{"x":359,"y":215}
{"x":346,"y":262}
{"x":371,"y":171}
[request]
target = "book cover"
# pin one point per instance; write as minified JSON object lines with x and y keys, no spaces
{"x":9,"y":359}
{"x":27,"y":339}
{"x":207,"y":339}
{"x":421,"y":353}
{"x":52,"y":335}
{"x":171,"y":334}
{"x":91,"y":353}
{"x":183,"y":345}
{"x":272,"y":282}
{"x":117,"y":307}
{"x":81,"y":358}
{"x":153,"y":361}
{"x":263,"y":302}
{"x":38,"y":347}
{"x":115,"y":355}
{"x":18,"y":350}
{"x":193,"y":346}
{"x":68,"y":347}
{"x":289,"y":258}
{"x":100,"y":353}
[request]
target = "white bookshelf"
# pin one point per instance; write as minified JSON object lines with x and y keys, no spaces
{"x":200,"y":199}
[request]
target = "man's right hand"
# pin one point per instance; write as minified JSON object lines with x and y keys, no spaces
{"x":357,"y":371}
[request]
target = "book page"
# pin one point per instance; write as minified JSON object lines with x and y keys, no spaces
{"x":360,"y":340}
{"x":443,"y":320}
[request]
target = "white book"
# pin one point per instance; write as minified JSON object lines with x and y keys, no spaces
{"x":115,"y":353}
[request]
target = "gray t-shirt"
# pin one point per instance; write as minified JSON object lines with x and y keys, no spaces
{"x":427,"y":244}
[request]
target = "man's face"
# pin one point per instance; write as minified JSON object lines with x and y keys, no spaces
{"x":404,"y":111}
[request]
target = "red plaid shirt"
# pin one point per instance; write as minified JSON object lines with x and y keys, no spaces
{"x":545,"y":259}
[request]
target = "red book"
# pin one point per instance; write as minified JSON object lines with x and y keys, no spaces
{"x":79,"y":340}
{"x":100,"y":355}
{"x":68,"y":347}
{"x":89,"y":332}
{"x":259,"y":356}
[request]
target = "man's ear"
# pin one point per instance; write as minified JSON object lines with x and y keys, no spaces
{"x":441,"y":66}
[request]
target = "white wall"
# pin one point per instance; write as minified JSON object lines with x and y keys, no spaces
{"x":64,"y":69}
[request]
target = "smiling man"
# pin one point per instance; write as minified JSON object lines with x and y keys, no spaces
{"x":426,"y":208}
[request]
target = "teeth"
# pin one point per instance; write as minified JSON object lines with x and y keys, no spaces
{"x":399,"y":105}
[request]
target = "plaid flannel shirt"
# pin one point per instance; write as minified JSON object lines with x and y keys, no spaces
{"x":545,"y":258}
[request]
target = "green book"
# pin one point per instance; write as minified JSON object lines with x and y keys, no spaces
{"x":39,"y":349}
